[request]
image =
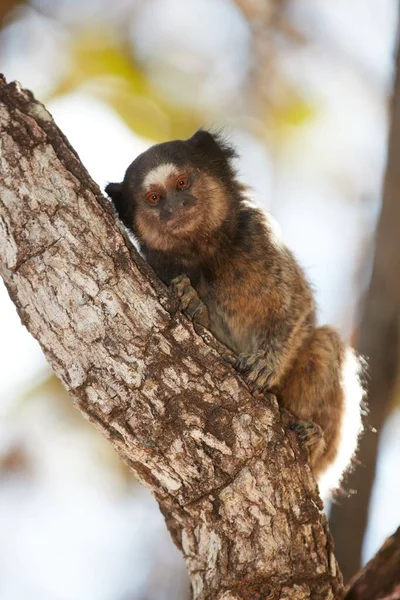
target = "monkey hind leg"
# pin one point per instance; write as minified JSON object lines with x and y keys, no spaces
{"x":324,"y":387}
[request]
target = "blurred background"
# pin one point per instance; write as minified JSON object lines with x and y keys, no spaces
{"x":303,"y":88}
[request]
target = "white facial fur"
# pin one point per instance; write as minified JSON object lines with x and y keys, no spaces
{"x":159,"y":175}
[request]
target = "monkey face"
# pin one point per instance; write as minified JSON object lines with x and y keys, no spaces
{"x":170,"y":192}
{"x":176,"y":204}
{"x":166,"y":199}
{"x":176,"y":192}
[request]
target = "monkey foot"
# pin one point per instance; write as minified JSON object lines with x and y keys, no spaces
{"x":308,"y":432}
{"x":256,"y":370}
{"x":189,"y":300}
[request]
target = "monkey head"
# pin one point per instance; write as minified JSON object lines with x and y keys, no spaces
{"x":178,"y":191}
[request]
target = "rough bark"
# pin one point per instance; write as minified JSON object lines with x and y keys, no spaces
{"x":378,"y":340}
{"x":236,"y":492}
{"x":380,"y":578}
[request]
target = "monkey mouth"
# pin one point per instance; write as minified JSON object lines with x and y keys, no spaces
{"x":181,"y":220}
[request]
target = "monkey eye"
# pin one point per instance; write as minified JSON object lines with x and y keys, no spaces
{"x":153,"y":198}
{"x":182,"y":182}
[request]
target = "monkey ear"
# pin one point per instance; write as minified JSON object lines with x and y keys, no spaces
{"x":212,"y":144}
{"x":202,"y":138}
{"x":114,"y":191}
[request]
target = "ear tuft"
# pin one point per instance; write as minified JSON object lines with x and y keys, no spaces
{"x":213,"y":144}
{"x":114,"y":191}
{"x":123,"y":209}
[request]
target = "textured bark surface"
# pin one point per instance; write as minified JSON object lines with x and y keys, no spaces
{"x":380,"y":578}
{"x":238,"y":498}
{"x":378,"y":340}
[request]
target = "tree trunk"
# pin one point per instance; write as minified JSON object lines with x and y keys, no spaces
{"x":6,"y":7}
{"x":379,"y":342}
{"x":238,"y":497}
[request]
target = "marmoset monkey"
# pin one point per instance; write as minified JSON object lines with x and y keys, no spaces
{"x":198,"y":231}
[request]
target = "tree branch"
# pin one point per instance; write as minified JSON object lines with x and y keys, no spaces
{"x":380,"y":578}
{"x":378,"y":340}
{"x":238,"y":497}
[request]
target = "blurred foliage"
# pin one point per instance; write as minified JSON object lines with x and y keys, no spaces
{"x":51,"y":397}
{"x":109,"y":71}
{"x":285,"y":114}
{"x":101,"y":59}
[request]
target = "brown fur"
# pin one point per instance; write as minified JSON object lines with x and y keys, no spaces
{"x":250,"y":291}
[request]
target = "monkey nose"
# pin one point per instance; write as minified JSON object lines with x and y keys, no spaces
{"x":166,"y":212}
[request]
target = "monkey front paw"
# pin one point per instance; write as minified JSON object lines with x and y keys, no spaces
{"x":189,"y":301}
{"x":308,"y":433}
{"x":256,"y":370}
